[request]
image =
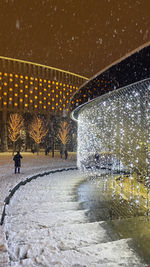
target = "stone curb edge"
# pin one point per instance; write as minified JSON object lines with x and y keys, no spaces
{"x":27,"y":180}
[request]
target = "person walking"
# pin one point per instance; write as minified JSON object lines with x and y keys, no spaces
{"x":66,"y":154}
{"x":17,"y":159}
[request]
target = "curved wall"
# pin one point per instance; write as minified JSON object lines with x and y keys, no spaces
{"x":116,"y":126}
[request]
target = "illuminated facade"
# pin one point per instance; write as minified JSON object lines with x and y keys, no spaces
{"x":114,"y":123}
{"x":34,"y":88}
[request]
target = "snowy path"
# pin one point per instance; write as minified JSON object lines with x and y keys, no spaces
{"x":31,"y":165}
{"x":45,"y":226}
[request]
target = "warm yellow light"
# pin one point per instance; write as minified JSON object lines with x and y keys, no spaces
{"x":53,"y":82}
{"x":21,"y":76}
{"x":49,"y":94}
{"x":64,"y":97}
{"x":5,"y":83}
{"x":10,"y":98}
{"x":21,"y":81}
{"x":31,"y":78}
{"x":10,"y":79}
{"x":26,"y":77}
{"x":56,"y":83}
{"x":26,"y":95}
{"x":49,"y":81}
{"x":5,"y":93}
{"x":35,"y":106}
{"x":35,"y":97}
{"x":64,"y":85}
{"x":48,"y":103}
{"x":0,"y":97}
{"x":67,"y":85}
{"x":0,"y":73}
{"x":67,"y":109}
{"x":45,"y":81}
{"x":16,"y":104}
{"x":40,"y":102}
{"x":16,"y":94}
{"x":60,"y":100}
{"x":45,"y":89}
{"x":49,"y":86}
{"x":21,"y":91}
{"x":71,"y":90}
{"x":21,"y":100}
{"x":35,"y":88}
{"x":16,"y":75}
{"x":31,"y":101}
{"x":53,"y":108}
{"x":60,"y":92}
{"x":40,"y":80}
{"x":10,"y":89}
{"x":53,"y":91}
{"x":67,"y":93}
{"x":56,"y":87}
{"x":44,"y":98}
{"x":44,"y":107}
{"x":56,"y":104}
{"x":56,"y":95}
{"x":16,"y":85}
{"x":70,"y":86}
{"x":0,"y":78}
{"x":36,"y":79}
{"x":26,"y":86}
{"x":31,"y":92}
{"x":5,"y":74}
{"x":0,"y":88}
{"x":60,"y":84}
{"x":67,"y":101}
{"x":64,"y":89}
{"x":60,"y":108}
{"x":31,"y":83}
{"x":40,"y":84}
{"x":5,"y":103}
{"x":25,"y":105}
{"x":40,"y":93}
{"x":64,"y":105}
{"x":53,"y":99}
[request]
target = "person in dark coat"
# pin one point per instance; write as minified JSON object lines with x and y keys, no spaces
{"x":66,"y":154}
{"x":17,"y":159}
{"x":61,"y":153}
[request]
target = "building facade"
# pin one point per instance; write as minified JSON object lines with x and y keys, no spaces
{"x":27,"y":87}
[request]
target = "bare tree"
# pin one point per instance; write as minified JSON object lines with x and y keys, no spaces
{"x":37,"y":130}
{"x":63,"y":133}
{"x":15,"y":127}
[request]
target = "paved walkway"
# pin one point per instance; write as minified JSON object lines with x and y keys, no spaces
{"x":31,"y":165}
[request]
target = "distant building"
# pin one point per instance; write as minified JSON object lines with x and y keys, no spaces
{"x":27,"y":87}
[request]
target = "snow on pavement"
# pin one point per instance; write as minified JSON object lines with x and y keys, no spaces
{"x":45,"y":226}
{"x":31,"y":165}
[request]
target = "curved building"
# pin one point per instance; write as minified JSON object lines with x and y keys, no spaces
{"x":34,"y":88}
{"x":129,"y":69}
{"x":113,"y":114}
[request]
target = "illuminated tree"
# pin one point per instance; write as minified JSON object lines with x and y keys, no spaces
{"x":63,"y":133}
{"x":15,"y":127}
{"x":37,"y":130}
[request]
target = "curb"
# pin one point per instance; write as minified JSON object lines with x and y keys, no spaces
{"x":27,"y":180}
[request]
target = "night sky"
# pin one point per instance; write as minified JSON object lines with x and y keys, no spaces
{"x":81,"y":36}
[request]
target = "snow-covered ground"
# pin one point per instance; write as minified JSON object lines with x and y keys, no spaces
{"x":31,"y":164}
